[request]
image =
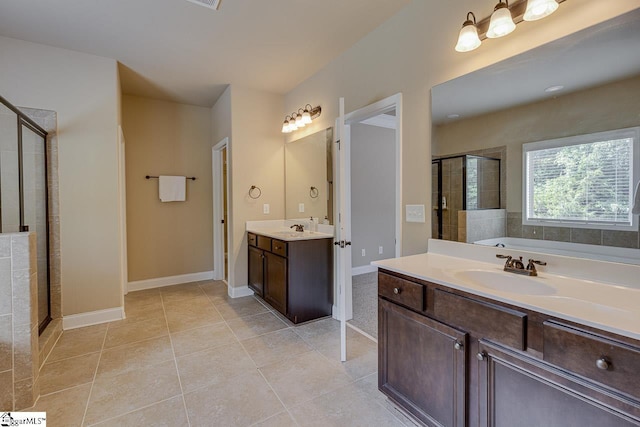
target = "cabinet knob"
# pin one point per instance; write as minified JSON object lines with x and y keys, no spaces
{"x":603,"y":364}
{"x":458,"y":345}
{"x":482,"y":355}
{"x":396,"y":291}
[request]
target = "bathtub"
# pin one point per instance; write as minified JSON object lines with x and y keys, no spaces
{"x":577,"y":250}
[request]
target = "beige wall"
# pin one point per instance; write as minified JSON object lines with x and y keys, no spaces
{"x":256,"y":158}
{"x":607,"y":107}
{"x":413,"y":51}
{"x":165,"y":138}
{"x":83,"y":90}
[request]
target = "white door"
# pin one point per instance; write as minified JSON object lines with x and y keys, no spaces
{"x":343,"y":229}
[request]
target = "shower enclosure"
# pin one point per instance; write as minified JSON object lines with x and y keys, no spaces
{"x":24,"y":191}
{"x":462,"y":183}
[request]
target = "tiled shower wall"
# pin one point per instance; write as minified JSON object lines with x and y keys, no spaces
{"x":19,"y":358}
{"x":481,"y":224}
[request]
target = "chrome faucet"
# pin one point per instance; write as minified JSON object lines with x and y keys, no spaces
{"x":515,"y":265}
{"x":298,"y":227}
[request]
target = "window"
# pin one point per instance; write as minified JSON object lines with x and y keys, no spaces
{"x":582,"y":181}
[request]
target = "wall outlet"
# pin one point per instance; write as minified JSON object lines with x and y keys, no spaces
{"x":379,"y":249}
{"x":300,"y":207}
{"x":265,"y":208}
{"x":364,"y":253}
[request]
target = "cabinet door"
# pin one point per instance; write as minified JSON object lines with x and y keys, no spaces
{"x":256,"y":270}
{"x":275,"y":291}
{"x":422,"y":365}
{"x":518,"y":391}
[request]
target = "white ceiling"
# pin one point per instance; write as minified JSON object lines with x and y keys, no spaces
{"x":604,"y":53}
{"x":180,"y":51}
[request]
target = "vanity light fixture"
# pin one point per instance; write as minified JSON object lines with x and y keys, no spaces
{"x":501,"y":21}
{"x":303,"y":117}
{"x":468,"y":39}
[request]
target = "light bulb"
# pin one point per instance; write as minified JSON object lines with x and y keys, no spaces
{"x":292,"y":125}
{"x":285,"y":127}
{"x":306,"y":117}
{"x":299,"y":122}
{"x":538,"y":9}
{"x":468,"y":39}
{"x":501,"y":22}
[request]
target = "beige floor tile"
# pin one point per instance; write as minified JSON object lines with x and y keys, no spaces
{"x":237,"y":401}
{"x":252,"y":326}
{"x":240,"y":307}
{"x":134,"y":356}
{"x":215,"y":290}
{"x":212,"y":366}
{"x":146,"y":297}
{"x":192,"y":313}
{"x":77,"y":342}
{"x":362,"y":355}
{"x":198,"y":339}
{"x":320,"y":333}
{"x":283,"y":419}
{"x":168,"y":413}
{"x":275,"y":347}
{"x":304,"y":378}
{"x":138,"y":310}
{"x":346,"y":406}
{"x":55,"y":376}
{"x":64,"y":408}
{"x":127,"y":333}
{"x":113,"y":396}
{"x":182,"y":291}
{"x":6,"y":391}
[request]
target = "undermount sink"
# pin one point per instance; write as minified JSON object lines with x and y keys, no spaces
{"x":506,"y":282}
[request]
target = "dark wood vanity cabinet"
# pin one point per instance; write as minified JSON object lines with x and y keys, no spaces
{"x":451,"y":358}
{"x":294,"y":277}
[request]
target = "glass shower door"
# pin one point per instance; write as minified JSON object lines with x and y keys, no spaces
{"x":34,"y":190}
{"x":9,"y":172}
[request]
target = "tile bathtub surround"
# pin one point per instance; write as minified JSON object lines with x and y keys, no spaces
{"x":481,"y":224}
{"x":203,"y":373}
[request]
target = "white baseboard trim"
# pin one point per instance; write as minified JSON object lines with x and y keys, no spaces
{"x":363,"y":269}
{"x":241,"y":291}
{"x":159,"y":282}
{"x":92,"y":318}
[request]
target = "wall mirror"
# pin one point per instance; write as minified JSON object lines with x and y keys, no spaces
{"x":585,"y":83}
{"x":308,"y":177}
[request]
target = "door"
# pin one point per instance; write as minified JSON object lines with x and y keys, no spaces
{"x":256,"y":270}
{"x":275,"y":290}
{"x":422,"y":365}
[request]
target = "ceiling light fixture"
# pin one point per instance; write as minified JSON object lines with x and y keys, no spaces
{"x":468,"y":39}
{"x":300,"y":119}
{"x":502,"y":21}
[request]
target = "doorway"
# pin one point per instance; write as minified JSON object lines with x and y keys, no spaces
{"x":220,"y":171}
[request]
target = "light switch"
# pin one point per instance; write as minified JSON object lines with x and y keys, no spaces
{"x":414,"y":213}
{"x":265,"y":208}
{"x":300,"y":207}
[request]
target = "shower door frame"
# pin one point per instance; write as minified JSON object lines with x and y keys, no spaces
{"x":24,"y":120}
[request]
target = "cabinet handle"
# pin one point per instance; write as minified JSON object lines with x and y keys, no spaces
{"x":396,"y":291}
{"x":603,"y":364}
{"x":458,"y":345}
{"x":481,"y":356}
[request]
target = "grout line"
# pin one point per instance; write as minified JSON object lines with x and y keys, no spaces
{"x":135,"y":410}
{"x":175,"y":362}
{"x":95,"y":373}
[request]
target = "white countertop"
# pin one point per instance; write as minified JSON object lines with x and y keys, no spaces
{"x":281,"y":230}
{"x":609,"y":306}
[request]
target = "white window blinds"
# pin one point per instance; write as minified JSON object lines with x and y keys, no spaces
{"x":585,"y":180}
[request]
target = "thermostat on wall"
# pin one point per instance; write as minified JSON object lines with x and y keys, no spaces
{"x":415,"y":213}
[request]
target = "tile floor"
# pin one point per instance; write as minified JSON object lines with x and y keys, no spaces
{"x":187,"y":355}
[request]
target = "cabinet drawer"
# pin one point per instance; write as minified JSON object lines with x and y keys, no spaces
{"x":279,"y":247}
{"x":491,"y":321}
{"x":409,"y":294}
{"x":264,"y":243}
{"x":252,"y":239}
{"x":596,"y":357}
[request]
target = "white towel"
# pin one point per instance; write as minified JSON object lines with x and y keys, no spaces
{"x":636,"y":204}
{"x":172,"y":188}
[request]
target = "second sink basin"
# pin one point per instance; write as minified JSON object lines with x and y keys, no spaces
{"x":506,"y":282}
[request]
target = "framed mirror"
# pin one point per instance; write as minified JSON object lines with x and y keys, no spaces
{"x":583,"y":84}
{"x":309,"y":177}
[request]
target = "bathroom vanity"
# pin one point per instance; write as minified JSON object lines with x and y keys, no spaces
{"x":292,"y":271}
{"x":462,"y":343}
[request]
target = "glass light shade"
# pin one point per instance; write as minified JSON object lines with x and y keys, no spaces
{"x":285,"y":127}
{"x":468,"y":39}
{"x":299,"y":122}
{"x":292,"y":125}
{"x":306,"y":117}
{"x":538,"y":9}
{"x":501,"y":22}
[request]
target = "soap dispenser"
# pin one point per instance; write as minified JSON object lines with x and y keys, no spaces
{"x":313,"y":225}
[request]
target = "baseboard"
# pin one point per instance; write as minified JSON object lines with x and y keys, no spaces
{"x":363,"y":269}
{"x":159,"y":282}
{"x":241,"y":291}
{"x":92,"y":318}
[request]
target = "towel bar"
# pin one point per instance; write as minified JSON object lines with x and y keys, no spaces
{"x":193,"y":178}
